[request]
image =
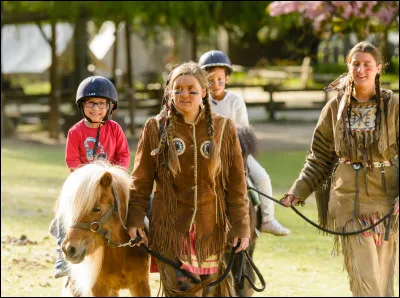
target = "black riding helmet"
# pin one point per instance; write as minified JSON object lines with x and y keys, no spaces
{"x":96,"y":86}
{"x":215,"y":58}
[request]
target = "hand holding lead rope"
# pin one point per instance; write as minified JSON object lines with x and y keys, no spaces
{"x":138,"y":235}
{"x":290,"y":199}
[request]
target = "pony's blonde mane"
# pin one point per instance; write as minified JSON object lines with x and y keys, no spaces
{"x":81,"y":190}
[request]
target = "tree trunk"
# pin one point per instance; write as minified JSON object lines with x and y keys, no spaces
{"x":2,"y":96}
{"x":2,"y":114}
{"x":222,"y":43}
{"x":80,"y":64}
{"x":54,"y":114}
{"x":327,"y":47}
{"x":194,"y":42}
{"x":81,"y":49}
{"x":387,"y":55}
{"x":346,"y":45}
{"x":115,"y":54}
{"x":131,"y":88}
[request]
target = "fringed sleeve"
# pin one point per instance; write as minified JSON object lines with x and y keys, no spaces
{"x":143,"y":175}
{"x":320,"y":159}
{"x":236,"y":191}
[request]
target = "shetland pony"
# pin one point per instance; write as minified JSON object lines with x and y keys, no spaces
{"x":93,"y":210}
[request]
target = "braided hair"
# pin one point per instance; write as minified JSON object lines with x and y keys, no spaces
{"x":366,"y":47}
{"x":169,"y":116}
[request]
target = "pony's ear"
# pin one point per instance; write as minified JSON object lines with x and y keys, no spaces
{"x":106,"y":180}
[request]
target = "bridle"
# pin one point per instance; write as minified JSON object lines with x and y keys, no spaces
{"x":97,"y":226}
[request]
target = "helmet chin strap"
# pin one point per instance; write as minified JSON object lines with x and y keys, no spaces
{"x":90,"y":120}
{"x":96,"y":143}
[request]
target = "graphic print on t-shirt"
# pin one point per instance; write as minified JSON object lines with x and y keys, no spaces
{"x":89,"y":146}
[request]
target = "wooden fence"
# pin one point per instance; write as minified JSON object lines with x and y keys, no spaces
{"x":150,"y":99}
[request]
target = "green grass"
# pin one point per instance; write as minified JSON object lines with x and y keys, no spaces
{"x":282,"y":167}
{"x":32,"y":175}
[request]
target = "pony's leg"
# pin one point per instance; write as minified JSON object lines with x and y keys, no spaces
{"x":141,"y":287}
{"x":101,"y":289}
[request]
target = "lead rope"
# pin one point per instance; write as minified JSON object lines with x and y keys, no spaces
{"x":228,"y":268}
{"x":387,"y":216}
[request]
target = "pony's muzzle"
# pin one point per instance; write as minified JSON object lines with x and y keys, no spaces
{"x":73,"y":254}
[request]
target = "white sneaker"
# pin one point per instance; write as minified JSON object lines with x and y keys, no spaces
{"x":274,"y":227}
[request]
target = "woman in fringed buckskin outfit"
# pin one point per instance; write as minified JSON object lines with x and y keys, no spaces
{"x":200,"y":199}
{"x":353,"y":167}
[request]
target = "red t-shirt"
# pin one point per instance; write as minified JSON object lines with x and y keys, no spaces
{"x":113,"y":145}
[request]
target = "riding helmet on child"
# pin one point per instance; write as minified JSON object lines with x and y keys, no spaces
{"x":97,"y":86}
{"x":215,"y":58}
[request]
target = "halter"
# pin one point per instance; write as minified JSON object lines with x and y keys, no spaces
{"x":96,"y":226}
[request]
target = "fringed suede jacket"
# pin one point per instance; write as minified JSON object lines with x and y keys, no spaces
{"x":214,"y":206}
{"x":357,"y":159}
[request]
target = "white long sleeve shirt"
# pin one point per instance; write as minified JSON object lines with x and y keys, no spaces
{"x":231,"y":106}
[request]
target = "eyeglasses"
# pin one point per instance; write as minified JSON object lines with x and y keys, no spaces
{"x":100,"y":105}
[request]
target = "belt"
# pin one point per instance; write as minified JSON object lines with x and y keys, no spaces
{"x":385,"y":163}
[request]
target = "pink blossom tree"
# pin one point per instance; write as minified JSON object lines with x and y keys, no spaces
{"x":361,"y":17}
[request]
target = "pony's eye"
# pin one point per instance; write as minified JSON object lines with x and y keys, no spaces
{"x":96,"y":209}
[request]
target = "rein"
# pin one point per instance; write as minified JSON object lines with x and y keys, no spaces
{"x":387,"y":216}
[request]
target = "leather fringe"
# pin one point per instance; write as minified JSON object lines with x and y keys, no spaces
{"x":358,"y":286}
{"x":163,"y":234}
{"x":322,"y":195}
{"x":226,"y":144}
{"x":339,"y":240}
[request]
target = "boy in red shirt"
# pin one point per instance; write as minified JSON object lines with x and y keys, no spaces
{"x":96,"y":98}
{"x":94,"y":137}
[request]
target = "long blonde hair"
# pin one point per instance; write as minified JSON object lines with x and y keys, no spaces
{"x":169,"y":116}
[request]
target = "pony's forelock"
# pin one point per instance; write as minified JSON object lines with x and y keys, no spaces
{"x":81,"y":190}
